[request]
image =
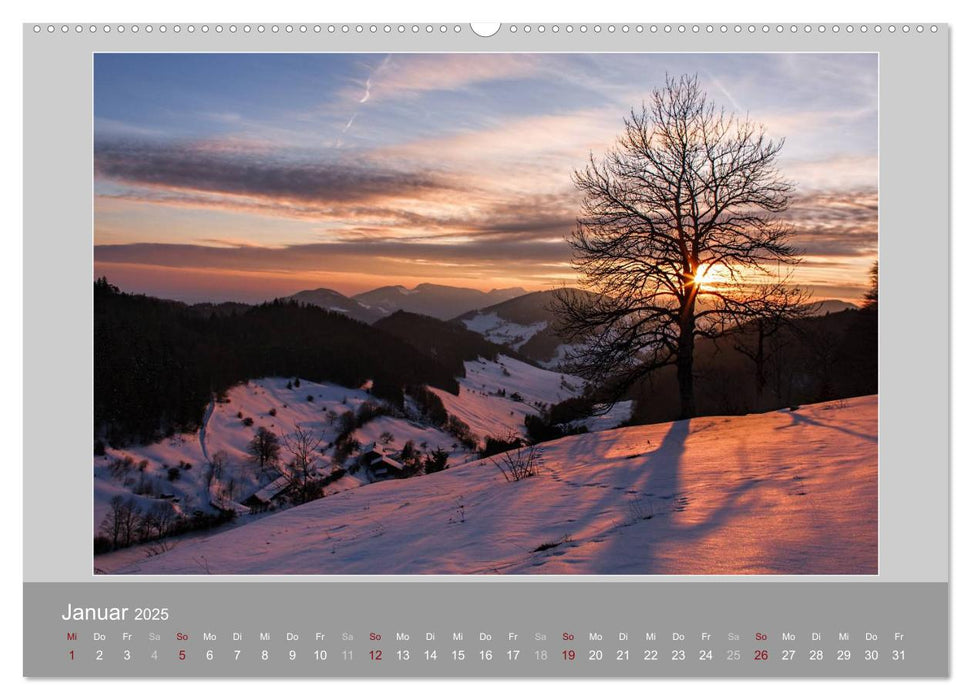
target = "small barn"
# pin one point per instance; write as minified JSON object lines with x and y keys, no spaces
{"x":379,"y":464}
{"x":384,"y":467}
{"x":262,"y":499}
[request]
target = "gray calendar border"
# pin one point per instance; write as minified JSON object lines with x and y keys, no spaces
{"x":786,"y":614}
{"x":58,"y":163}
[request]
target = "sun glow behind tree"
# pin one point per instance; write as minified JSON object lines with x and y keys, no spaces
{"x":680,"y":226}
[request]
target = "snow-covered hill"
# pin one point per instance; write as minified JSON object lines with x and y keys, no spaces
{"x":495,"y":397}
{"x":526,"y":324}
{"x":496,"y":329}
{"x":213,"y":471}
{"x":177,"y":470}
{"x":787,"y":492}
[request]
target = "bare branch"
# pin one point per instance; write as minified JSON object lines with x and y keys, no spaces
{"x":686,"y":188}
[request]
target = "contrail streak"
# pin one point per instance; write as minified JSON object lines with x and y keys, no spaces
{"x":718,"y":84}
{"x":367,"y":92}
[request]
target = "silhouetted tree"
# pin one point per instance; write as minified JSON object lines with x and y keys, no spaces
{"x":122,"y":522}
{"x":436,"y":461}
{"x":301,"y":470}
{"x":688,"y":191}
{"x":156,"y":522}
{"x":770,"y":309}
{"x":408,"y":453}
{"x":858,"y":353}
{"x":870,"y":298}
{"x":264,"y":449}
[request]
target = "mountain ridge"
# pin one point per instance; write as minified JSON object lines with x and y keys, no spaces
{"x":438,"y":301}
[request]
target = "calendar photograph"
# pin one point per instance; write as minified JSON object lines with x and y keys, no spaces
{"x":485,"y":314}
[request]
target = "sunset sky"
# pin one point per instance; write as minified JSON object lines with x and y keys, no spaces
{"x":249,"y":176}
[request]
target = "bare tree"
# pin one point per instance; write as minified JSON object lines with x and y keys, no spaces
{"x":301,"y":471}
{"x":264,"y":449}
{"x":770,"y":309}
{"x":122,"y":522}
{"x":156,"y":522}
{"x":676,"y":221}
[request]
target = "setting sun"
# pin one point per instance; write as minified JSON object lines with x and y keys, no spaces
{"x":710,"y":275}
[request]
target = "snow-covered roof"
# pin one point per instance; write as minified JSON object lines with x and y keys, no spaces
{"x":387,"y":462}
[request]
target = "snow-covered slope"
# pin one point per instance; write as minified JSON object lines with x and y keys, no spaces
{"x":177,"y":472}
{"x":498,"y":330}
{"x":225,"y":431}
{"x":526,"y":324}
{"x":788,"y":492}
{"x":495,"y":397}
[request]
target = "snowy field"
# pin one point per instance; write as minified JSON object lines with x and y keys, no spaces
{"x":176,"y":474}
{"x":266,"y":403}
{"x":501,"y":331}
{"x":787,"y":492}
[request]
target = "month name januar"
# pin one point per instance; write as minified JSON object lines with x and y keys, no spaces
{"x":76,"y":613}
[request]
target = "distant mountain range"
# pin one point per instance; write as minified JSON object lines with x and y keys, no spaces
{"x":335,"y":301}
{"x":518,"y":320}
{"x":435,"y":300}
{"x":831,"y":306}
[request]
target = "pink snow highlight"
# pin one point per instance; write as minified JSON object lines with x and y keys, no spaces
{"x":787,"y":492}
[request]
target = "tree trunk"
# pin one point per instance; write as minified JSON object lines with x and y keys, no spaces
{"x":686,"y":356}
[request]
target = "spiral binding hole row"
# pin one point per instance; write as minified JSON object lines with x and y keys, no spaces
{"x":425,"y":29}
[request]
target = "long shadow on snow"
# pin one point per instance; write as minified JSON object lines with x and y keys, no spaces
{"x":800,"y":419}
{"x":664,"y":479}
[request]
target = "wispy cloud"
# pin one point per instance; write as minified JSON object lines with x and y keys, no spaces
{"x":421,"y":163}
{"x":191,"y":168}
{"x":835,"y":223}
{"x":413,"y":74}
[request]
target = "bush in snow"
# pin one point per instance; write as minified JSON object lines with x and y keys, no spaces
{"x":496,"y":445}
{"x":436,"y":461}
{"x":146,"y":487}
{"x":120,"y":467}
{"x":368,"y":411}
{"x":462,"y":432}
{"x":345,"y":448}
{"x":520,"y":464}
